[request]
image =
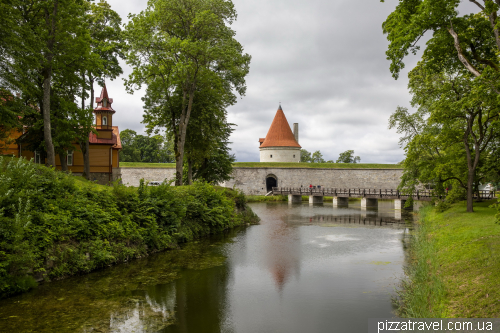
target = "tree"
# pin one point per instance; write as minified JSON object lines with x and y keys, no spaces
{"x":317,"y":157}
{"x":142,"y":148}
{"x":348,"y":157}
{"x":413,"y":18}
{"x":453,"y":129}
{"x":106,"y":45}
{"x":305,"y":156}
{"x":174,"y":47}
{"x":50,"y":40}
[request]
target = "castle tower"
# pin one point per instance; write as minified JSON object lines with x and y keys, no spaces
{"x":104,"y":115}
{"x":280,"y":143}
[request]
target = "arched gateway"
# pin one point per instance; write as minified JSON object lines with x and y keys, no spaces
{"x":271,"y":181}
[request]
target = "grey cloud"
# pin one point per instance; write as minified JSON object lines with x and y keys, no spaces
{"x":324,"y":60}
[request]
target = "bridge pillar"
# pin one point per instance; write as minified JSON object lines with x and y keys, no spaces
{"x":369,"y":202}
{"x":339,"y":201}
{"x":314,"y":199}
{"x":292,"y":198}
{"x":400,"y":204}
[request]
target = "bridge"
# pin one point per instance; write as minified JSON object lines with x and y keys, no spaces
{"x":369,"y":197}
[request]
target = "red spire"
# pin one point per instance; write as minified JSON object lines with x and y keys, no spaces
{"x":280,"y":134}
{"x":104,"y":102}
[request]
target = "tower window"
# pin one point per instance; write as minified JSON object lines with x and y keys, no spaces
{"x":293,"y":156}
{"x":104,"y":102}
{"x":105,"y":120}
{"x":271,"y":156}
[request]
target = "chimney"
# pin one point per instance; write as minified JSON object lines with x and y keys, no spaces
{"x":296,"y":131}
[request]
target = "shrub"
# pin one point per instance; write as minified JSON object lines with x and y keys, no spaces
{"x":51,"y":228}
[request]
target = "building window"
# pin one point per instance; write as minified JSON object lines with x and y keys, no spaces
{"x":69,"y":158}
{"x":104,"y":102}
{"x":38,"y":157}
{"x":293,"y":156}
{"x":105,"y":120}
{"x":271,"y":156}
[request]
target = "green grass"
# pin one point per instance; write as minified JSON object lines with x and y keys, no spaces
{"x":274,"y":165}
{"x":454,"y":264}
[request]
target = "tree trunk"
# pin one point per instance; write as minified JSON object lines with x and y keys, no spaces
{"x":190,"y":171}
{"x":64,"y":161}
{"x":47,"y":76}
{"x":181,"y":139}
{"x":470,"y":191}
{"x":84,"y":146}
{"x":47,"y":130}
{"x":91,"y":84}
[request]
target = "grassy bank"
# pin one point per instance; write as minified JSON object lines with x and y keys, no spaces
{"x":54,"y":225}
{"x":453,"y":264}
{"x":274,"y":165}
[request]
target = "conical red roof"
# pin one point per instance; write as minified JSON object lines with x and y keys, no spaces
{"x":280,"y":134}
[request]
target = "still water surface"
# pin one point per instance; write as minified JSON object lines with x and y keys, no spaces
{"x":303,"y":269}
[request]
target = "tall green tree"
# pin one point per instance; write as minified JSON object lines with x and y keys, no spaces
{"x":453,"y":130}
{"x":51,"y":38}
{"x":174,"y":47}
{"x":317,"y":157}
{"x":142,"y":148}
{"x":305,"y":156}
{"x":348,"y":157}
{"x":106,"y":45}
{"x":412,"y":19}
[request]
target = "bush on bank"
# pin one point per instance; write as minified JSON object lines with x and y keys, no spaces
{"x":54,"y":225}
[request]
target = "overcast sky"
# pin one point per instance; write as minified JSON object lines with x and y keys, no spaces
{"x":324,"y":60}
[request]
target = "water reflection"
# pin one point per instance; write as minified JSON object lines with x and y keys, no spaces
{"x":282,"y":253}
{"x":304,"y":269}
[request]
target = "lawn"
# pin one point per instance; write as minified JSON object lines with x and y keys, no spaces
{"x":274,"y":165}
{"x":455,"y":267}
{"x":468,"y":256}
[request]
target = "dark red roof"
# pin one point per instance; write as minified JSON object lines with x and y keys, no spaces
{"x":280,"y":134}
{"x":115,"y":139}
{"x":99,"y":101}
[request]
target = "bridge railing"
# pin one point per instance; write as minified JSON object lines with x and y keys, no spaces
{"x":371,"y":193}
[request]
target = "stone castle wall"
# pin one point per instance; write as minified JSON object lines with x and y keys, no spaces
{"x":252,"y":181}
{"x":132,"y":176}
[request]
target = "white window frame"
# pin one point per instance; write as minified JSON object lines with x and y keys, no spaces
{"x":104,"y":121}
{"x":38,"y":157}
{"x":69,"y":157}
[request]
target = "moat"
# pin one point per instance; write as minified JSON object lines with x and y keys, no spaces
{"x":305,"y":268}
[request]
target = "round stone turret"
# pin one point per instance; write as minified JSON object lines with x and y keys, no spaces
{"x":280,"y":143}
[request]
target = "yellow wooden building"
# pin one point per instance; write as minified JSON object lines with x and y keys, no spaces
{"x":104,"y":147}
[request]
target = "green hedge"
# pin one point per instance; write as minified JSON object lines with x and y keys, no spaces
{"x":54,"y":225}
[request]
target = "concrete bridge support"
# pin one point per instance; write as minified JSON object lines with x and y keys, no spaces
{"x":340,"y":202}
{"x":369,"y":202}
{"x":315,"y":199}
{"x":292,"y":198}
{"x":400,"y":204}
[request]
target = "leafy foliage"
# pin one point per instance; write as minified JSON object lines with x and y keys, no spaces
{"x":348,"y":157}
{"x":305,"y":156}
{"x":148,"y":149}
{"x":52,"y":225}
{"x":179,"y":49}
